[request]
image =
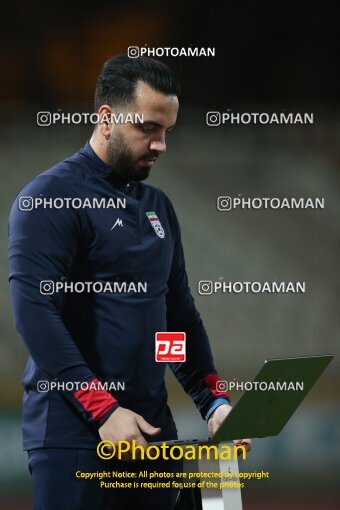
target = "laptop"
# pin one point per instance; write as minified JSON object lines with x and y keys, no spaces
{"x":277,"y":391}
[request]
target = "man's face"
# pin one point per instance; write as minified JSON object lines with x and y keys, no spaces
{"x":133,"y":149}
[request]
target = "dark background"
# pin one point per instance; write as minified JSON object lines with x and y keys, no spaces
{"x":266,"y":52}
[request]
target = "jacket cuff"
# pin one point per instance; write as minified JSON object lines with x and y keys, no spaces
{"x":95,"y":401}
{"x":101,"y":422}
{"x":218,"y":402}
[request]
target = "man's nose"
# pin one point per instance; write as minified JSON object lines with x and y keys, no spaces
{"x":158,"y":145}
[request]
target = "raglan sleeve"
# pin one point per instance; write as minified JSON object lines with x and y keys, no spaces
{"x":197,"y":374}
{"x":43,"y":245}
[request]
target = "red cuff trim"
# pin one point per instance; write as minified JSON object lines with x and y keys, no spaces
{"x":211,"y":381}
{"x":95,"y":401}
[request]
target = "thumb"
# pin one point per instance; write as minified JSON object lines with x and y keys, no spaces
{"x":146,"y":427}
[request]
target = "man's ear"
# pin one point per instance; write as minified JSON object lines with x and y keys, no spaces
{"x":104,"y":125}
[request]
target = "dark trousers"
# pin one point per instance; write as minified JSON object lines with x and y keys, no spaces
{"x":56,"y":487}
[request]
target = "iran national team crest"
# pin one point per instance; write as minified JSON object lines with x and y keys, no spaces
{"x":156,"y":224}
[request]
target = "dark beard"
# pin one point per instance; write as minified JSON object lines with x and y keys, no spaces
{"x":120,"y":158}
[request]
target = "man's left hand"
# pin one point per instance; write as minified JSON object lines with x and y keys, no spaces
{"x":217,"y":417}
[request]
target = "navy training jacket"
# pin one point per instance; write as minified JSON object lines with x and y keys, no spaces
{"x":100,"y":336}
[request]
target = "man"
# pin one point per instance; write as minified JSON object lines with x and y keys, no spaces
{"x":95,"y":337}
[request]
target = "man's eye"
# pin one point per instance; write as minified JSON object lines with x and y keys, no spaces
{"x":147,"y":129}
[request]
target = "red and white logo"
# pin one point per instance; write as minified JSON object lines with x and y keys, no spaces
{"x":170,"y":347}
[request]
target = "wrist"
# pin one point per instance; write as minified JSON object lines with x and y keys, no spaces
{"x":102,"y":420}
{"x":217,"y":403}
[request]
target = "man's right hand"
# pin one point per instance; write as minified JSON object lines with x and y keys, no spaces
{"x":125,"y":425}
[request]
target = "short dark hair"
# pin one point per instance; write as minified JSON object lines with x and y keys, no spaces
{"x":117,"y":81}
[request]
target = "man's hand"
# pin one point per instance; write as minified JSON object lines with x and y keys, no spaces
{"x":218,"y":417}
{"x":125,"y":425}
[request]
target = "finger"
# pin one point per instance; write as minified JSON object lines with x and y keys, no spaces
{"x":247,"y":443}
{"x":146,"y":427}
{"x":243,"y":442}
{"x":140,"y":441}
{"x":212,"y":428}
{"x":135,"y":453}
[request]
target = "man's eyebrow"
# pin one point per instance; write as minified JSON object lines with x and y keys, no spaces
{"x":154,"y":123}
